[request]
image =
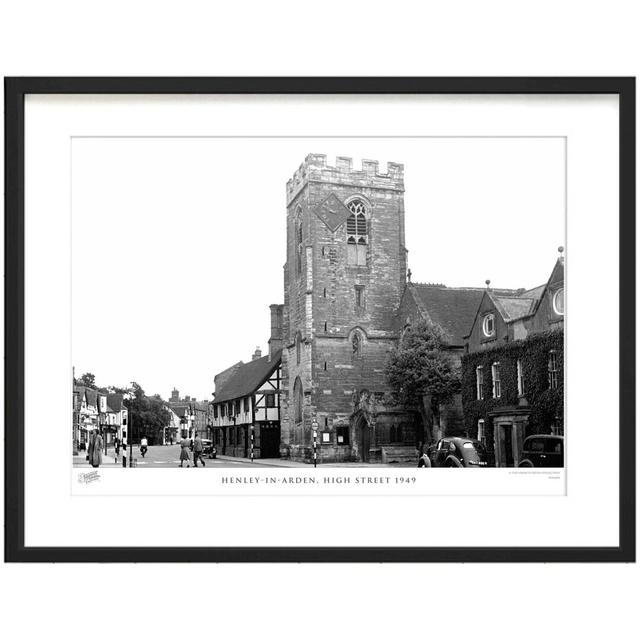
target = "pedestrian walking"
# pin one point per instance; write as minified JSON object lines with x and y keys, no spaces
{"x":198,"y":448}
{"x":185,"y":443}
{"x":143,"y":445}
{"x":116,"y":446}
{"x":94,"y":452}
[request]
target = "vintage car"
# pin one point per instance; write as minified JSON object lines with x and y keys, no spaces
{"x":208,"y":448}
{"x":542,"y":451}
{"x":457,"y":452}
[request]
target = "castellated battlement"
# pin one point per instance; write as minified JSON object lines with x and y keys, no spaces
{"x":315,"y":169}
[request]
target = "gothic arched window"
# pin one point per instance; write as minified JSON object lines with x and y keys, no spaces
{"x":357,"y":233}
{"x":356,"y":344}
{"x":298,"y":401}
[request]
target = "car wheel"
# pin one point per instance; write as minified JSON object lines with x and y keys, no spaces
{"x":451,"y":461}
{"x":526,"y":463}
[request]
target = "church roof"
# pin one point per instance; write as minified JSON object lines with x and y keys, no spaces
{"x":514,"y":307}
{"x":454,"y":309}
{"x":247,"y":378}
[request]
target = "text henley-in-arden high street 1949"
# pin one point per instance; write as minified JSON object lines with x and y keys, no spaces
{"x":348,"y":301}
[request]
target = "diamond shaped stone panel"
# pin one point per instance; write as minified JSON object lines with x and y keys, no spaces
{"x":332,"y":212}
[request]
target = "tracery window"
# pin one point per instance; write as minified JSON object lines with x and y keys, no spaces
{"x":357,"y":233}
{"x":356,"y":344}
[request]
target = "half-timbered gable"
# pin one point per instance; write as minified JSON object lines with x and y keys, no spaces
{"x":246,"y":408}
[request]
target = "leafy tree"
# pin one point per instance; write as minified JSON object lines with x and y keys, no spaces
{"x":87,"y":380}
{"x":421,"y":373}
{"x":147,"y":415}
{"x":122,"y":390}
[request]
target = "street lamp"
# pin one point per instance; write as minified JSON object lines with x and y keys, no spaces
{"x":314,"y":426}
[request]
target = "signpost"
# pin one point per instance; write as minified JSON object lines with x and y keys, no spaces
{"x":314,"y":426}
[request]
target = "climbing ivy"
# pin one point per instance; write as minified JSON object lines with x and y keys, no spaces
{"x":546,"y":405}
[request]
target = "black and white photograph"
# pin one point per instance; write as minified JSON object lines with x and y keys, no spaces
{"x":360,"y":317}
{"x":265,"y":302}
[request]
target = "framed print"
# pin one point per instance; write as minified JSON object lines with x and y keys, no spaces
{"x":378,"y":319}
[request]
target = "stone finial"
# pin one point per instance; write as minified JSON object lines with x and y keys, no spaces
{"x":487,"y":282}
{"x":409,"y":275}
{"x":560,"y":250}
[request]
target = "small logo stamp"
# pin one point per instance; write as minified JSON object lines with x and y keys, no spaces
{"x":90,"y":476}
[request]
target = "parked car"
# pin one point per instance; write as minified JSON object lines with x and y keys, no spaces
{"x":542,"y":451}
{"x":458,"y":452}
{"x":208,"y":448}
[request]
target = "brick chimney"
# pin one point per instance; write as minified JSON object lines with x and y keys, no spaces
{"x":275,"y":341}
{"x":256,"y":354}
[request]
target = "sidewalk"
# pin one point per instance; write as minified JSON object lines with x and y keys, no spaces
{"x":276,"y":462}
{"x":279,"y":462}
{"x":107,"y":460}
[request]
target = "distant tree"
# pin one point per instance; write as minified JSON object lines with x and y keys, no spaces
{"x":87,"y":380}
{"x":422,"y":375}
{"x":147,"y":415}
{"x":121,"y":390}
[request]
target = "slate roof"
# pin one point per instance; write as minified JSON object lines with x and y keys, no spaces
{"x":114,"y":401}
{"x":454,"y":309}
{"x":514,"y":307}
{"x":247,"y":378}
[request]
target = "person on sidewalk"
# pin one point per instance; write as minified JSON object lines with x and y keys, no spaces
{"x":198,"y":448}
{"x":94,"y":452}
{"x":185,"y":443}
{"x":116,"y":447}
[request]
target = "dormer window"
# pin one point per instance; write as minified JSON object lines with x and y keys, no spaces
{"x":489,"y":325}
{"x":558,"y":302}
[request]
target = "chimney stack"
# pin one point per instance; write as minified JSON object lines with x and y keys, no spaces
{"x":275,"y":341}
{"x":257,"y":354}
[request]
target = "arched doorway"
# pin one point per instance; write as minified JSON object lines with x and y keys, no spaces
{"x":363,"y":438}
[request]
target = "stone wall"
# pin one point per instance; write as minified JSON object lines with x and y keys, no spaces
{"x":320,"y":297}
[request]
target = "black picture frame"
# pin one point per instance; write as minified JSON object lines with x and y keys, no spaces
{"x":15,"y":91}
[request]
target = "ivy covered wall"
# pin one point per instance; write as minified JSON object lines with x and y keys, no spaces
{"x":545,"y":404}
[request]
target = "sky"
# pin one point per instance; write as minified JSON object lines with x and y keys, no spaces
{"x":178,"y":244}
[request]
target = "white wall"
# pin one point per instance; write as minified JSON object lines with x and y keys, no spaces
{"x":328,"y":38}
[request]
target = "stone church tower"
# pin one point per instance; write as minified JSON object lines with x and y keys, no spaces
{"x":343,"y":279}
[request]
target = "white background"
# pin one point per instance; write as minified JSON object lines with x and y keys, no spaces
{"x":166,"y":231}
{"x":490,"y":38}
{"x":587,"y":516}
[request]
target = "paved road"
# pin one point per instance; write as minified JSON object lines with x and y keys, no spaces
{"x":159,"y":457}
{"x":169,"y":456}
